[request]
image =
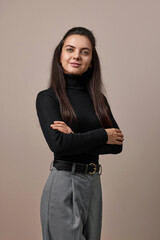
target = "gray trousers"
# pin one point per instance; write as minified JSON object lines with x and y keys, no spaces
{"x":71,"y":206}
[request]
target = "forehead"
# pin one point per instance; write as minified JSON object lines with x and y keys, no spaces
{"x":78,"y":41}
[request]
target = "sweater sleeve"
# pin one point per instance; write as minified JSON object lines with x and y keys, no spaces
{"x":47,"y":107}
{"x":108,"y":148}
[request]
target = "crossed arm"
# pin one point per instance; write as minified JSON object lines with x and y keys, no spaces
{"x":62,"y":140}
{"x":115,"y":135}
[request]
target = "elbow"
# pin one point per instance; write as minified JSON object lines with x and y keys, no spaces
{"x":118,"y":149}
{"x":59,"y":147}
{"x":56,"y":144}
{"x":56,"y":149}
{"x":62,"y":143}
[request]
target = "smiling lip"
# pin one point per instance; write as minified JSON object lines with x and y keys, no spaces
{"x":75,"y":64}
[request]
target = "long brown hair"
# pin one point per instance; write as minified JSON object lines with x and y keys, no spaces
{"x":95,"y":85}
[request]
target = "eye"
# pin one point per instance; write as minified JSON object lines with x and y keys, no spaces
{"x":69,"y":49}
{"x":85,"y":52}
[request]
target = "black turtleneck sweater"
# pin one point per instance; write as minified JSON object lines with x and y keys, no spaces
{"x":89,"y":138}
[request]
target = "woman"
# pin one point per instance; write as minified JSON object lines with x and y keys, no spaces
{"x":78,"y":126}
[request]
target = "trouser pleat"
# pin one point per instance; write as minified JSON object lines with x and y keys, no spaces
{"x":71,"y":206}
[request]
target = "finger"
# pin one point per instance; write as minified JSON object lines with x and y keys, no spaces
{"x":57,"y":125}
{"x":61,"y":129}
{"x":57,"y":122}
{"x":54,"y":126}
{"x":118,"y":143}
{"x":120,"y":139}
{"x":60,"y":124}
{"x":118,"y":130}
{"x":120,"y":135}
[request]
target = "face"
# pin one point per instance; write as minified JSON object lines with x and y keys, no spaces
{"x":76,"y":54}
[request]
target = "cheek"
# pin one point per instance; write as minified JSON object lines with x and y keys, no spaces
{"x":64,"y":58}
{"x":88,"y":62}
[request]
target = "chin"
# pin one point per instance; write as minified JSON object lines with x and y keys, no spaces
{"x":74,"y":72}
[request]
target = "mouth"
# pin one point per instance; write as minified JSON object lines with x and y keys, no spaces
{"x":75,"y":64}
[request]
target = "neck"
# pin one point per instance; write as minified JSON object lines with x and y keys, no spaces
{"x":76,"y":81}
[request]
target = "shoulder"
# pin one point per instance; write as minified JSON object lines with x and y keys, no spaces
{"x":47,"y":95}
{"x":46,"y":92}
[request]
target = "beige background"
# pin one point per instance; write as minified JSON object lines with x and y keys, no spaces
{"x":128,"y":40}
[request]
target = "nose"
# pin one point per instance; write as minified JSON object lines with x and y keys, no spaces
{"x":76,"y":55}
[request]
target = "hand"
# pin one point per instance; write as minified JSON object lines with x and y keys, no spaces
{"x":115,"y":136}
{"x":61,"y":126}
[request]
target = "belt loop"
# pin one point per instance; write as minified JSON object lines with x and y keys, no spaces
{"x":86,"y":168}
{"x":100,"y":169}
{"x":51,"y":166}
{"x":73,"y":167}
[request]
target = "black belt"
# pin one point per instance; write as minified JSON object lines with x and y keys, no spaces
{"x":90,"y":168}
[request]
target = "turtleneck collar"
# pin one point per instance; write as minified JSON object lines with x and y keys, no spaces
{"x":77,"y":81}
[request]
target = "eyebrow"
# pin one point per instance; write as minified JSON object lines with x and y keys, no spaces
{"x":81,"y":48}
